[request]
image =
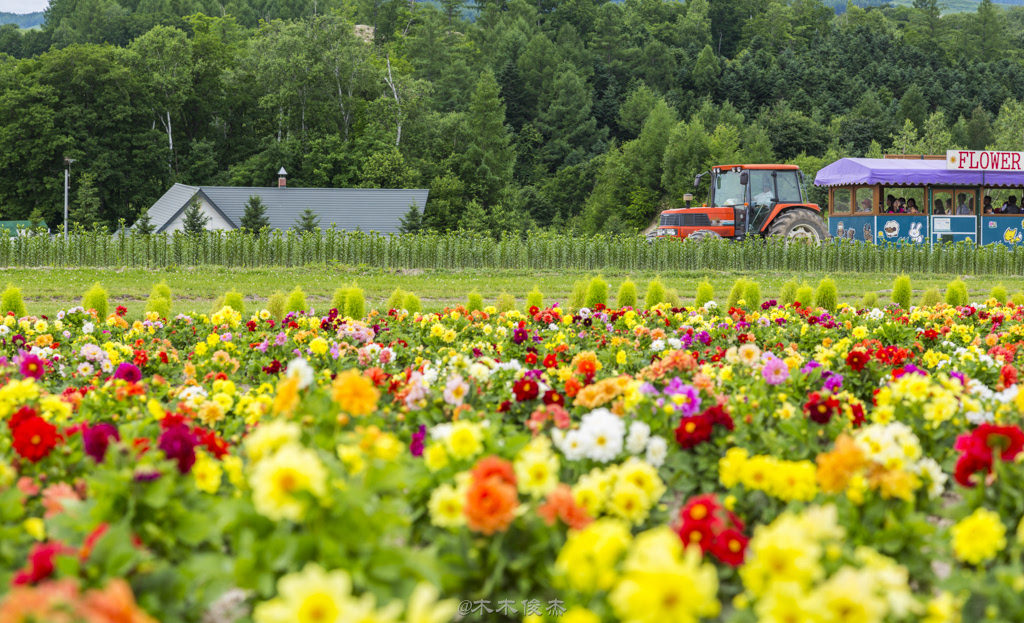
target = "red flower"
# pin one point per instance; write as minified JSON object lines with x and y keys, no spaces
{"x":525,"y":389}
{"x":821,"y":411}
{"x":978,"y":450}
{"x":729,"y":547}
{"x":531,"y":359}
{"x":20,"y":416}
{"x":34,"y":438}
{"x":719,"y":417}
{"x":1008,"y":375}
{"x":857,"y":415}
{"x":701,"y":509}
{"x":550,"y":361}
{"x":857,"y":359}
{"x":534,"y":310}
{"x":40,"y":563}
{"x":693,"y":431}
{"x":1007,"y":440}
{"x":697,"y":533}
{"x":551,"y":397}
{"x":930,"y":334}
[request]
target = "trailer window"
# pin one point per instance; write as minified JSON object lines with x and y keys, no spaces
{"x":865,"y":198}
{"x":841,"y":201}
{"x":728,"y":189}
{"x":788,"y":186}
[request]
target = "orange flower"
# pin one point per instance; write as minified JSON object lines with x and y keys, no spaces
{"x":835,"y":468}
{"x":287,"y":397}
{"x":54,"y":497}
{"x":113,"y":604}
{"x":494,"y":467}
{"x":50,"y":602}
{"x":490,"y":505}
{"x":572,"y":387}
{"x":354,"y":393}
{"x":561,"y":504}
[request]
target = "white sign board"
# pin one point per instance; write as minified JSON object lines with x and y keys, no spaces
{"x":967,"y":160}
{"x":940,"y":224}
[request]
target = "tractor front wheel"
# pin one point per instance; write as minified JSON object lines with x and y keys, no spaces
{"x":799,"y":225}
{"x":703,"y":234}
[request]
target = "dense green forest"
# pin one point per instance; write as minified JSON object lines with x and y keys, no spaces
{"x":579,"y":115}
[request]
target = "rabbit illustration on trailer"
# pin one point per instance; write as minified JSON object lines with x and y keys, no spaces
{"x":915,"y":233}
{"x":839,"y":230}
{"x":867,"y":232}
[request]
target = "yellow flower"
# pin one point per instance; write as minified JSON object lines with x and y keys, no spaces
{"x":465,"y":440}
{"x":233,"y":466}
{"x":207,"y":472}
{"x":287,"y":397}
{"x":978,"y":537}
{"x":730,"y":466}
{"x":629,"y":502}
{"x":435,"y":457}
{"x":850,"y":596}
{"x":352,"y":457}
{"x":310,"y":596}
{"x":267,"y":438}
{"x":620,"y":357}
{"x":536,"y":472}
{"x":386,"y":447}
{"x":943,"y":608}
{"x":446,"y":505}
{"x":35,"y":527}
{"x":588,"y":559}
{"x":274,"y":480}
{"x":354,"y":393}
{"x":579,"y":614}
{"x":424,"y":607}
{"x":318,"y":346}
{"x":589,"y":494}
{"x":644,"y":476}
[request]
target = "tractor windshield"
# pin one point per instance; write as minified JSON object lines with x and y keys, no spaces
{"x":728,"y":191}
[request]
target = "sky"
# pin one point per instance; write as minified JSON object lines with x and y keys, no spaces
{"x":23,"y":6}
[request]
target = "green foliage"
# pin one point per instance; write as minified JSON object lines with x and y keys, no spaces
{"x":397,"y":299}
{"x":705,"y":293}
{"x":805,"y":295}
{"x":656,"y":294}
{"x":999,"y":294}
{"x":355,"y":303}
{"x":1017,"y":298}
{"x":739,"y":289}
{"x":931,"y":297}
{"x":626,"y":296}
{"x":11,"y":301}
{"x":474,"y":302}
{"x":597,"y":292}
{"x":578,"y":298}
{"x":788,"y":295}
{"x":752,"y":294}
{"x":340,"y":300}
{"x":869,"y":301}
{"x":144,"y":224}
{"x":160,"y":300}
{"x":96,"y":298}
{"x":276,"y":304}
{"x":307,"y":221}
{"x":535,"y":298}
{"x":901,"y":291}
{"x":255,"y":217}
{"x":235,"y":301}
{"x":672,"y":298}
{"x":411,"y":303}
{"x":296,"y":301}
{"x":956,"y":293}
{"x":194,"y":221}
{"x":412,"y":221}
{"x":827,"y":295}
{"x":506,"y":302}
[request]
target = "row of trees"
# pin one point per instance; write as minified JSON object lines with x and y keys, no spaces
{"x":577,"y":115}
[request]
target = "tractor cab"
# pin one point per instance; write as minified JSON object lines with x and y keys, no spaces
{"x":753,"y":199}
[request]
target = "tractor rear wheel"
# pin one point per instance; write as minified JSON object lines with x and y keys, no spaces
{"x":703,"y":234}
{"x":799,"y":225}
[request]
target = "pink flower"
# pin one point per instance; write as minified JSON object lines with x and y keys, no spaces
{"x":54,"y":497}
{"x":32,"y":366}
{"x":775,"y":371}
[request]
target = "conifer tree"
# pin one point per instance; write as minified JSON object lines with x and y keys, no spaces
{"x":144,"y":224}
{"x":255,"y":217}
{"x":195,"y":221}
{"x":490,"y":158}
{"x":412,"y":222}
{"x":307,"y":221}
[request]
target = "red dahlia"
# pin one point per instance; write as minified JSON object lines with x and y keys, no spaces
{"x":34,"y":438}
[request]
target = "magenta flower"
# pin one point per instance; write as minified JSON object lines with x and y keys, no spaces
{"x":775,"y":371}
{"x":97,"y":440}
{"x":416,"y":447}
{"x":178,"y":444}
{"x":32,"y":366}
{"x":128,"y":372}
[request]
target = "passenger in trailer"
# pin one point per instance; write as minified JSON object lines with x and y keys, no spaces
{"x":938,"y":209}
{"x":1010,"y":207}
{"x":912,"y":206}
{"x":986,"y":205}
{"x":963,"y":208}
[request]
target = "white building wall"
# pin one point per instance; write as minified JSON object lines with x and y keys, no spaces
{"x":216,"y":220}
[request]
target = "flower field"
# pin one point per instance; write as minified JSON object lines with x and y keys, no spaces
{"x":769,"y":463}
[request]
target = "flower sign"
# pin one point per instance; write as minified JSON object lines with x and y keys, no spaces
{"x":967,"y":160}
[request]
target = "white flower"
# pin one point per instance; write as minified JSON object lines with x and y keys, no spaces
{"x":930,"y":470}
{"x":552,"y":327}
{"x":657,"y":450}
{"x":585,"y":312}
{"x":106,"y":366}
{"x":710,"y":305}
{"x":876,"y":314}
{"x":4,"y":330}
{"x":87,"y":328}
{"x":572,"y":445}
{"x":675,"y":343}
{"x":639,"y":433}
{"x":602,"y":434}
{"x":441,"y":431}
{"x":479,"y":371}
{"x":85,"y":368}
{"x":301,"y":368}
{"x":190,"y":392}
{"x":658,"y":345}
{"x":429,"y":376}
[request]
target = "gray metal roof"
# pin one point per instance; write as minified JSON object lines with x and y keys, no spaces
{"x":176,"y":198}
{"x":366,"y":209}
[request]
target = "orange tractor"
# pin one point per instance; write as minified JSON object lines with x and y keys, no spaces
{"x":748,"y":200}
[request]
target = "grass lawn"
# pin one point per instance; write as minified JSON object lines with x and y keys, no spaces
{"x":48,"y":290}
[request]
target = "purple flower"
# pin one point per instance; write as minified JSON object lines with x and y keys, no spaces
{"x":810,"y":366}
{"x":684,"y":396}
{"x":833,"y":382}
{"x":32,"y":366}
{"x":226,"y":337}
{"x":281,"y":338}
{"x":146,"y":475}
{"x":128,"y":372}
{"x":97,"y":439}
{"x":959,"y":376}
{"x":648,"y":390}
{"x":264,"y":345}
{"x":416,"y":447}
{"x":775,"y":371}
{"x":704,"y":337}
{"x":178,"y":444}
{"x":519,"y":335}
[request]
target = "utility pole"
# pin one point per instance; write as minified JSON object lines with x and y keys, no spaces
{"x":67,"y":181}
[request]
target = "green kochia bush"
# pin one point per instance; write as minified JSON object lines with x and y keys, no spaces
{"x":901,"y":291}
{"x":827,"y":296}
{"x":869,"y":301}
{"x":474,"y":302}
{"x":96,"y":298}
{"x":275,"y":304}
{"x":705,"y":293}
{"x":999,"y":294}
{"x":506,"y":302}
{"x":296,"y":301}
{"x":752,"y":294}
{"x":397,"y":299}
{"x":11,"y":301}
{"x":597,"y":292}
{"x":340,"y":300}
{"x":627,"y":295}
{"x":578,"y":298}
{"x":805,"y":295}
{"x":672,"y":298}
{"x":160,"y":300}
{"x":739,"y":288}
{"x":535,"y":298}
{"x":931,"y":297}
{"x":235,"y":301}
{"x":655,"y":293}
{"x":788,"y":295}
{"x":411,"y":303}
{"x":1018,"y":298}
{"x":355,"y":303}
{"x":956,"y":293}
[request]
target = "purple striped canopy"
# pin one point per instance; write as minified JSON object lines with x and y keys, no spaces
{"x":851,"y":171}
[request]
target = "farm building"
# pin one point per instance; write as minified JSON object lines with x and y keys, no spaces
{"x":365,"y":209}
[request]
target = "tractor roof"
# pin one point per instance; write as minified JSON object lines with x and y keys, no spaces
{"x":773,"y":167}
